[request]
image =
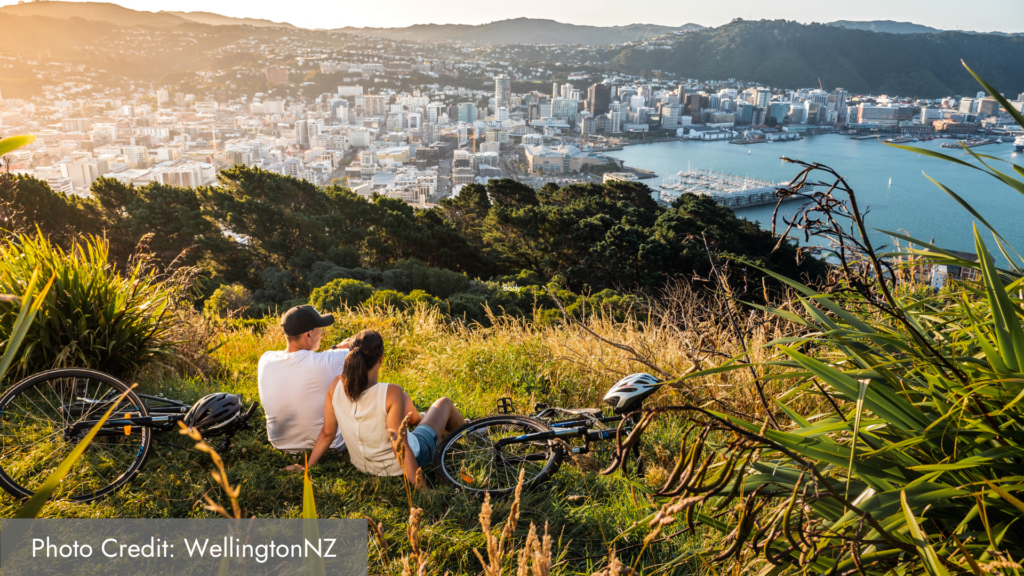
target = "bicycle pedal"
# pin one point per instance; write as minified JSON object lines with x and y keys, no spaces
{"x":505,"y":406}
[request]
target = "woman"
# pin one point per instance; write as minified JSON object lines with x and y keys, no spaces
{"x":366,"y":409}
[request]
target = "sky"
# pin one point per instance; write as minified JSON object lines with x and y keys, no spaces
{"x":992,"y":15}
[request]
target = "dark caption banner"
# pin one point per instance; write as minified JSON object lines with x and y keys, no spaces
{"x":254,"y":547}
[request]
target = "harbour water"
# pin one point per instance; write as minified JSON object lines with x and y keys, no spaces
{"x":910,"y":202}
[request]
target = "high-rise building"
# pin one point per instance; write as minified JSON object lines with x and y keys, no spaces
{"x":745,"y":114}
{"x":502,"y":91}
{"x":776,"y":111}
{"x":136,"y":156}
{"x":693,"y":103}
{"x":762,"y":97}
{"x":564,"y":108}
{"x":841,"y":97}
{"x":467,"y":112}
{"x":554,"y":90}
{"x":162,"y":97}
{"x":367,"y":164}
{"x":599,"y":96}
{"x":302,"y":132}
{"x":988,"y":106}
{"x":74,"y":124}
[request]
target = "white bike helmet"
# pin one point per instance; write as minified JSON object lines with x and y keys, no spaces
{"x":627,"y":394}
{"x":212,"y":415}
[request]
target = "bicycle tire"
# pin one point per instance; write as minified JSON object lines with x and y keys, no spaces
{"x":107,"y":464}
{"x":449,"y":469}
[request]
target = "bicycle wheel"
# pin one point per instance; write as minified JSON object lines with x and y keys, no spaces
{"x":36,"y":418}
{"x":471,"y":460}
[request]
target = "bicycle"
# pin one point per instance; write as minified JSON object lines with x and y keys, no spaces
{"x":485,"y":456}
{"x":43,"y":418}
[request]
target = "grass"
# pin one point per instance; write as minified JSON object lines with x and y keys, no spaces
{"x":430,"y":357}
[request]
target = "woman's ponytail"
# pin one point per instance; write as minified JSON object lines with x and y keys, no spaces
{"x":365,"y":352}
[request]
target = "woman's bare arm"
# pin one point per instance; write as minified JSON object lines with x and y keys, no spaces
{"x":398,"y":404}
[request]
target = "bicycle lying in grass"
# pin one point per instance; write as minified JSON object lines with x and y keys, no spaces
{"x":485,"y":456}
{"x":43,"y":417}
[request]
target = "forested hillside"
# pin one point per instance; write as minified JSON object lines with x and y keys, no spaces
{"x":278,"y":239}
{"x":788,"y":54}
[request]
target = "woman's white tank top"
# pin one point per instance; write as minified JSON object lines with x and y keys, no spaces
{"x":364,"y":426}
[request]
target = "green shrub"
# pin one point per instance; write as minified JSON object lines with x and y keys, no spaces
{"x":341,"y":292}
{"x":469,"y":307}
{"x":420,"y":297}
{"x":94,"y":316}
{"x":387,"y":299}
{"x":228,"y":301}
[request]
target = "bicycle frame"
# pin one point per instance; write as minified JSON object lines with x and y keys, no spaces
{"x":572,"y":428}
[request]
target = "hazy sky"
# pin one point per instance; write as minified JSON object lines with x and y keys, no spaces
{"x":1001,"y":15}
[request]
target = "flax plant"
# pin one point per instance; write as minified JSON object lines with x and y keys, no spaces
{"x":916,"y":463}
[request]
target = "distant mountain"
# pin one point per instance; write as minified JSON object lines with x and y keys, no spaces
{"x":889,"y":26}
{"x":218,"y":20}
{"x":893,"y":27}
{"x":525,"y":31}
{"x":98,"y":11}
{"x":121,"y":16}
{"x":782,"y":53}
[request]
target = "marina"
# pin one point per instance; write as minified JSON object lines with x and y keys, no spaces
{"x":726,"y":189}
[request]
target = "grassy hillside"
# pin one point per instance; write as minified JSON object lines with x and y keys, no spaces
{"x":788,"y":54}
{"x":430,"y":358}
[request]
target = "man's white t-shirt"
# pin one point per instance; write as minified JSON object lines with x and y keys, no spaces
{"x":292,"y":388}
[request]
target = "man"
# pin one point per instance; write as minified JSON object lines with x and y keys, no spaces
{"x":293,"y":382}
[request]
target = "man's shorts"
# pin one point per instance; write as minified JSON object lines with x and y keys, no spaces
{"x":427,"y":445}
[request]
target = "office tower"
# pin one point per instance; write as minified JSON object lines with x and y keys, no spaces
{"x":302,"y":132}
{"x":564,"y":108}
{"x":502,"y":91}
{"x":599,"y":96}
{"x":467,"y":112}
{"x":693,"y":103}
{"x":554,"y":90}
{"x":762,"y":97}
{"x":841,"y":97}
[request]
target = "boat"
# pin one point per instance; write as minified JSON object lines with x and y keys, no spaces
{"x":899,"y":140}
{"x":890,"y":182}
{"x":1018,"y":144}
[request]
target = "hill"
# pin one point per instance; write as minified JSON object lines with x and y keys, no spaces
{"x":525,"y":31}
{"x":784,"y":53}
{"x":120,"y":16}
{"x":219,"y":20}
{"x":96,"y":11}
{"x":893,"y":27}
{"x":889,"y":26}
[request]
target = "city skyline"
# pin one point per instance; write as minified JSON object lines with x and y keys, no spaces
{"x":941,"y":14}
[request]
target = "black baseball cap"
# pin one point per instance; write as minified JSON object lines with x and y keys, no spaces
{"x":302,"y":319}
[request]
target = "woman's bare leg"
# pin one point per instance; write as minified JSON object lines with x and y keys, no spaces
{"x":443,"y":416}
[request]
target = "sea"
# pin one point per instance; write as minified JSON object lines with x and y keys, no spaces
{"x":888,"y":181}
